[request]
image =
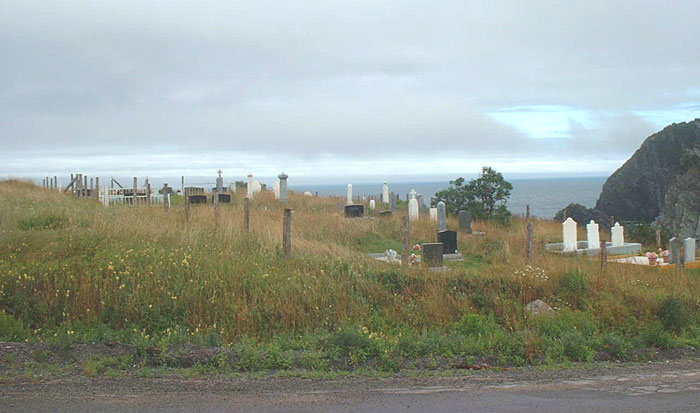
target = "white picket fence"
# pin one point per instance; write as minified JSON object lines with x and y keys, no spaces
{"x":115,"y":196}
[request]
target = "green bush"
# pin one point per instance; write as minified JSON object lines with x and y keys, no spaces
{"x":568,"y":336}
{"x":349,"y":340}
{"x":12,"y":329}
{"x":572,"y":286}
{"x":654,"y":335}
{"x":674,"y":316}
{"x":46,"y":221}
{"x":616,"y":346}
{"x":476,"y":325}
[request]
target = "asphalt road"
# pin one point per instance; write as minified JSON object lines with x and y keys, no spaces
{"x":643,"y":388}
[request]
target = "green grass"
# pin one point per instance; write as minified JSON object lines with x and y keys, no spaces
{"x":73,"y":271}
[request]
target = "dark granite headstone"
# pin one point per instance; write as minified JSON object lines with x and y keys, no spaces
{"x":224,"y":198}
{"x":674,"y":247}
{"x":449,"y":240}
{"x":422,"y":208}
{"x":385,"y":214}
{"x":465,"y":221}
{"x":354,"y":211}
{"x":197,"y":199}
{"x":432,"y":254}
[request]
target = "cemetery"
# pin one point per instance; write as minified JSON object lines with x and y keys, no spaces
{"x":243,"y":265}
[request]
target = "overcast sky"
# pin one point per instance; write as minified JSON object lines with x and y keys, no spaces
{"x":331,"y":88}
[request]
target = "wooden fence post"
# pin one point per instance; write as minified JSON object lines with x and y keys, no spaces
{"x":135,"y":198}
{"x":529,"y":242}
{"x":187,"y":209}
{"x":603,"y":255}
{"x":287,"y":232}
{"x":96,"y":191}
{"x":246,"y":217}
{"x":404,"y":245}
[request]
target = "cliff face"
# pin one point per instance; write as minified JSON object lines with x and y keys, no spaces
{"x":638,"y":190}
{"x":681,"y":213}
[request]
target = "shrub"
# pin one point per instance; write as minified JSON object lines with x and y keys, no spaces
{"x":673,"y":315}
{"x":476,"y":325}
{"x":654,"y":335}
{"x":349,"y":340}
{"x":573,"y":287}
{"x":616,"y":346}
{"x":12,"y":329}
{"x":47,"y":221}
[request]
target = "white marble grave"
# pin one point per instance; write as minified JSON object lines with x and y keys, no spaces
{"x":349,"y":195}
{"x":593,"y":235}
{"x":433,"y":214}
{"x":618,"y":235}
{"x":569,"y":233}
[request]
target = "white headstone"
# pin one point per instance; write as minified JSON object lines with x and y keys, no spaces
{"x":592,"y":235}
{"x":282,"y":183}
{"x":249,"y":187}
{"x":413,"y":194}
{"x":385,"y":192}
{"x":689,"y":245}
{"x":618,"y":235}
{"x":255,"y":188}
{"x":349,"y":200}
{"x":441,"y":217}
{"x":569,"y":231}
{"x":412,"y":209}
{"x":276,"y":188}
{"x":372,"y":204}
{"x":433,"y":214}
{"x":307,"y":193}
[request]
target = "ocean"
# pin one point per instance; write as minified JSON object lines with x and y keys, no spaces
{"x":545,"y":196}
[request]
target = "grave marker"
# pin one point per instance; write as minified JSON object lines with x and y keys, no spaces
{"x":283,"y":187}
{"x":349,"y":195}
{"x":674,"y":249}
{"x":392,"y":202}
{"x":465,"y":221}
{"x":448,"y":239}
{"x":569,"y":235}
{"x":592,"y":235}
{"x":372,"y":204}
{"x":354,"y":211}
{"x":689,"y":245}
{"x":441,"y":216}
{"x":432,"y":254}
{"x":385,"y":192}
{"x":433,"y":214}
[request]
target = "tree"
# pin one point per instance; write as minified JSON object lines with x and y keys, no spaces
{"x":484,"y":197}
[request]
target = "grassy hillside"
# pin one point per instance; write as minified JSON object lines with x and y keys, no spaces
{"x":73,"y":271}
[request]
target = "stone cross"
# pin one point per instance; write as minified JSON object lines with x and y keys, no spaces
{"x":465,"y":221}
{"x":283,"y":186}
{"x":592,"y":236}
{"x":219,"y":182}
{"x":441,"y":216}
{"x":385,"y":192}
{"x":392,"y":202}
{"x":689,"y":245}
{"x":433,"y":214}
{"x":412,"y":209}
{"x":569,"y":232}
{"x":372,"y":204}
{"x":618,"y":235}
{"x":349,"y":198}
{"x":674,"y":246}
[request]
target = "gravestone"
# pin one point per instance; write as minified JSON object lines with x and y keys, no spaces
{"x":618,"y":235}
{"x":224,"y":198}
{"x":448,"y":239}
{"x":689,"y":246}
{"x":166,"y":189}
{"x":412,"y":209}
{"x":283,"y":187}
{"x":197,"y":199}
{"x":372,"y":205}
{"x":354,"y":211}
{"x":422,"y":208}
{"x":349,"y":195}
{"x":385,"y":192}
{"x":432,"y":254}
{"x":307,"y":193}
{"x":441,"y":217}
{"x":219,"y":182}
{"x":249,"y":186}
{"x":569,"y":235}
{"x":433,"y":214}
{"x":392,"y":202}
{"x":276,"y":189}
{"x":465,"y":221}
{"x":592,"y":235}
{"x":674,"y":249}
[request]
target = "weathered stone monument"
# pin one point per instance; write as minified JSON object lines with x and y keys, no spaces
{"x":569,"y":235}
{"x":413,"y":206}
{"x":219,"y":182}
{"x":689,"y":246}
{"x":674,"y":247}
{"x":433,"y":214}
{"x":448,"y":239}
{"x":617,"y":233}
{"x":392,"y":202}
{"x":432,"y":254}
{"x":276,"y":189}
{"x":465,"y":221}
{"x":349,"y":195}
{"x":592,"y":235}
{"x":307,"y":193}
{"x":385,"y":192}
{"x":283,"y":187}
{"x":441,"y":216}
{"x":372,"y":205}
{"x":249,"y":186}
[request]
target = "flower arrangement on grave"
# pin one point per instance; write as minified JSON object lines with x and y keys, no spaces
{"x":413,"y":259}
{"x":652,"y":257}
{"x":664,"y":254}
{"x":416,"y":247}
